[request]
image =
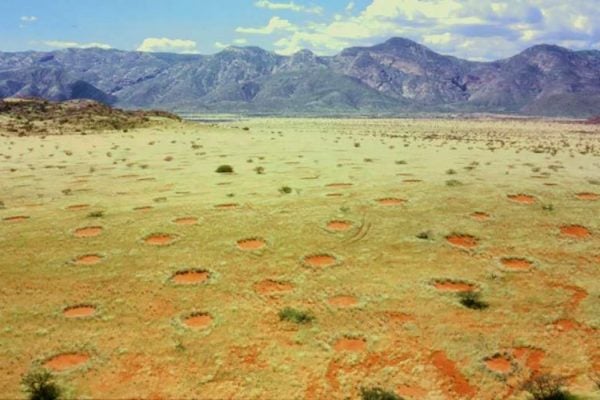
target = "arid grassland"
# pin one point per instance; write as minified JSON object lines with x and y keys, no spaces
{"x":436,"y":259}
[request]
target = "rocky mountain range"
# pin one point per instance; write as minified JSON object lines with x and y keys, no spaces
{"x":392,"y":78}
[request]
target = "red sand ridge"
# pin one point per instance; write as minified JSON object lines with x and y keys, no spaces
{"x":516,"y":264}
{"x":88,"y":259}
{"x":88,"y":231}
{"x":453,"y":286}
{"x":80,"y":311}
{"x":338,"y":225}
{"x":448,"y":369}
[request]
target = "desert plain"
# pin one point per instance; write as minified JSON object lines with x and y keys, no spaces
{"x":131,"y":268}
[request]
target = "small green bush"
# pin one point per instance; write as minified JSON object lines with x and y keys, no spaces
{"x":472,"y":300}
{"x":224,"y":169}
{"x":453,"y":182}
{"x":378,"y":394}
{"x":546,"y":387}
{"x":40,"y":385}
{"x":296,"y":316}
{"x":285,"y":190}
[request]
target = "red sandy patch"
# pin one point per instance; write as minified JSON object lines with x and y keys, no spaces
{"x":227,"y":206}
{"x":391,"y":201}
{"x":453,"y":286}
{"x":499,"y":364}
{"x":190,"y":277}
{"x":480,"y":216}
{"x":339,"y":226}
{"x":64,"y":362}
{"x":16,"y":218}
{"x":448,"y":369}
{"x":516,"y":264}
{"x":320,"y":260}
{"x":464,"y":241}
{"x":339,"y":185}
{"x":198,"y":321}
{"x":565,"y":325}
{"x":251,"y":244}
{"x":88,"y":231}
{"x":159,"y":239}
{"x":343,"y":301}
{"x":143,"y":208}
{"x":350,"y":344}
{"x":77,"y":207}
{"x":575,"y":231}
{"x":186,"y":221}
{"x":81,"y":311}
{"x":531,"y":357}
{"x":588,"y":196}
{"x":522,"y":198}
{"x":269,"y":286}
{"x":412,"y":392}
{"x":88,"y":259}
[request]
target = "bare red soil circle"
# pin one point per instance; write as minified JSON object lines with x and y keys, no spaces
{"x":198,"y":320}
{"x":575,"y":231}
{"x":77,"y":207}
{"x":186,"y":221}
{"x":190,"y":277}
{"x":79,"y":311}
{"x":462,"y":240}
{"x":160,"y":239}
{"x":522,"y":198}
{"x":588,"y":196}
{"x":66,"y":361}
{"x":251,"y":244}
{"x":16,"y":218}
{"x":516,"y":264}
{"x":88,"y":259}
{"x":227,"y":206}
{"x":565,"y":325}
{"x":480,"y":216}
{"x":88,"y":231}
{"x":270,"y":286}
{"x":453,"y":286}
{"x":391,"y":201}
{"x":499,"y":364}
{"x":350,"y":344}
{"x":343,"y":301}
{"x":320,"y":260}
{"x":339,"y":225}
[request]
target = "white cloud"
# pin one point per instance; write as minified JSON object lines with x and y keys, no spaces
{"x":274,"y":25}
{"x":291,"y":6}
{"x":463,"y":28}
{"x":240,"y":41}
{"x":59,"y":44}
{"x":29,"y":18}
{"x":167,"y":45}
{"x":220,"y":45}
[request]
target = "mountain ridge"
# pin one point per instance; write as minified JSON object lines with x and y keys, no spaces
{"x":393,"y":77}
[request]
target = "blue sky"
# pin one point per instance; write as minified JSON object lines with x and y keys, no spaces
{"x":473,"y":29}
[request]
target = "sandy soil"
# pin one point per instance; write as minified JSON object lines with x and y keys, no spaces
{"x":133,"y":270}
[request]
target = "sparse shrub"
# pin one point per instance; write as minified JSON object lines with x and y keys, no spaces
{"x":472,"y":300}
{"x":96,"y":214}
{"x":285,"y":190}
{"x":296,"y":316}
{"x":400,"y":162}
{"x":450,"y":172}
{"x":453,"y":183}
{"x":246,"y":128}
{"x":224,"y":169}
{"x":424,"y":235}
{"x":40,"y":385}
{"x":356,"y":144}
{"x":368,"y":160}
{"x":546,"y":387}
{"x":259,"y":170}
{"x":548,"y":207}
{"x":378,"y":394}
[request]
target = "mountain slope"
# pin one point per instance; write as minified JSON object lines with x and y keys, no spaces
{"x":393,"y":77}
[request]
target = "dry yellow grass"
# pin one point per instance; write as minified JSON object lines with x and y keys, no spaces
{"x":384,"y":300}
